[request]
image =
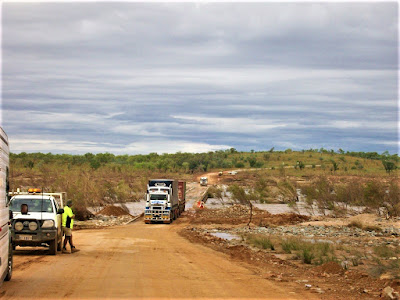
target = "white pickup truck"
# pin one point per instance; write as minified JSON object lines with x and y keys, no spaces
{"x":37,"y":219}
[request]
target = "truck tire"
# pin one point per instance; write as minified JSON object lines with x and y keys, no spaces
{"x":10,"y":263}
{"x":53,"y":247}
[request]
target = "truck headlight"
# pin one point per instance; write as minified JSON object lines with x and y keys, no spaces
{"x":18,"y":226}
{"x":32,"y":226}
{"x":48,"y":223}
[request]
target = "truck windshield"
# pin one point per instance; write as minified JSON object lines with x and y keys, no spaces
{"x":158,"y":197}
{"x":34,"y":205}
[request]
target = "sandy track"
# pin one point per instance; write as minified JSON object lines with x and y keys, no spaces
{"x":137,"y":261}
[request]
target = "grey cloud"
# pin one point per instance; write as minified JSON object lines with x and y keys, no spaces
{"x":95,"y":72}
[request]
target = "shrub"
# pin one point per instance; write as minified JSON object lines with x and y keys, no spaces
{"x":307,"y":256}
{"x":261,"y":242}
{"x":356,"y":224}
{"x":290,"y":245}
{"x":384,"y":251}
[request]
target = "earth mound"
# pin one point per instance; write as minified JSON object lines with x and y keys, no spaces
{"x":112,"y":210}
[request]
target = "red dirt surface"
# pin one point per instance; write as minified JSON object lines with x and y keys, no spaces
{"x":329,"y":268}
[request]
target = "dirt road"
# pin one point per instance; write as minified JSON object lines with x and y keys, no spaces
{"x":137,"y":261}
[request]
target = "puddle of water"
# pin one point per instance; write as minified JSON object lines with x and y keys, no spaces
{"x":225,"y":236}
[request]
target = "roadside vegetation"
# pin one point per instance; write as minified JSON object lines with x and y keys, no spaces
{"x":99,"y":179}
{"x":381,"y":260}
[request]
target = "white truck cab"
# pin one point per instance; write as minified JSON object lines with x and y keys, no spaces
{"x":37,"y":219}
{"x":203,"y":181}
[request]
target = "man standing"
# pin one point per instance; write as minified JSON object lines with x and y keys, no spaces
{"x":67,"y":224}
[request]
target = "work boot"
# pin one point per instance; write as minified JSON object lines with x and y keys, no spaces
{"x":65,"y":251}
{"x":73,"y":250}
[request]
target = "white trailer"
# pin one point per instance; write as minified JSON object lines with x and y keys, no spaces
{"x":6,"y":253}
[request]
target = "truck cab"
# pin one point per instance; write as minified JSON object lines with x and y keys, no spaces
{"x":165,"y":200}
{"x":158,"y":203}
{"x":203,"y":181}
{"x":37,"y":219}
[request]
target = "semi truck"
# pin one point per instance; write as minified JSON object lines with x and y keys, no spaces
{"x":6,"y":251}
{"x":165,"y":200}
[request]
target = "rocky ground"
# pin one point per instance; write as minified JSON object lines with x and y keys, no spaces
{"x":360,"y":256}
{"x":108,"y":216}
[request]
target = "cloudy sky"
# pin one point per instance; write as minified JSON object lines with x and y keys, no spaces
{"x":133,"y":78}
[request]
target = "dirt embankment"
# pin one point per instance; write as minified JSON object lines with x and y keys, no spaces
{"x":239,"y":214}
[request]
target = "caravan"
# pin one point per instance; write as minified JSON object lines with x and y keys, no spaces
{"x":6,"y":258}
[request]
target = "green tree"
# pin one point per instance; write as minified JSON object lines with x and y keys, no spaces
{"x":389,"y":166}
{"x":335,"y":165}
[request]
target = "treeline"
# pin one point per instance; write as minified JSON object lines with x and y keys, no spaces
{"x":185,"y":162}
{"x":196,"y":162}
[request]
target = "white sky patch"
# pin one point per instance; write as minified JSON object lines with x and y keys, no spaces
{"x":43,"y":143}
{"x":231,"y":125}
{"x":388,"y":125}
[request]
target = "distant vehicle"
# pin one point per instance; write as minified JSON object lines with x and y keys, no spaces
{"x":203,"y":181}
{"x":6,"y":253}
{"x":232,"y":172}
{"x":220,"y":173}
{"x":165,"y":200}
{"x":37,"y":219}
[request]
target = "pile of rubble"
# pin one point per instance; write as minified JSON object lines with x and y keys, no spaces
{"x":108,"y":216}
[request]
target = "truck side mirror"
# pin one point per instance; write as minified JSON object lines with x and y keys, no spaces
{"x":60,"y":211}
{"x":10,"y":215}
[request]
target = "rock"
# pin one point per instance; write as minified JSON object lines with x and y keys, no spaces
{"x":318,"y":290}
{"x":345,"y":264}
{"x":308,"y":286}
{"x":388,"y":293}
{"x":386,"y":276}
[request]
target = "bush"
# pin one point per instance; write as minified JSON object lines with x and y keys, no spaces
{"x":307,"y":251}
{"x":307,"y":256}
{"x":384,"y":251}
{"x":261,"y":242}
{"x":290,"y":245}
{"x":355,"y":224}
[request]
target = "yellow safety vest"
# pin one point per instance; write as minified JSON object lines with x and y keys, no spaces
{"x":67,"y":220}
